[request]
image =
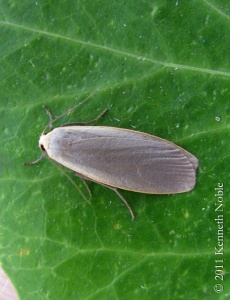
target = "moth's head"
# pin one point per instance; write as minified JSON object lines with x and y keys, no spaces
{"x":43,"y":143}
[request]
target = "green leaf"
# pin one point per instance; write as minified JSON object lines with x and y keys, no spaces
{"x":161,"y":67}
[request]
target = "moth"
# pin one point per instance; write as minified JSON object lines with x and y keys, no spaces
{"x":119,"y":158}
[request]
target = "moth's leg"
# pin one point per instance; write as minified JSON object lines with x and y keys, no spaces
{"x":122,"y":198}
{"x":83,"y":178}
{"x":85,"y":123}
{"x":50,"y":117}
{"x":68,"y":177}
{"x":29,"y":163}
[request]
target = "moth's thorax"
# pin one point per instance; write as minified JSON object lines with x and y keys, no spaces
{"x":56,"y":142}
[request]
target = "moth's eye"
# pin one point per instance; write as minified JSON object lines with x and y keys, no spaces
{"x":42,"y":147}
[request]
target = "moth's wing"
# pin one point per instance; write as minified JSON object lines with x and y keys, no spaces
{"x":124,"y":159}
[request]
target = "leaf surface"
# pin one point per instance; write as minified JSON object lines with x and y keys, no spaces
{"x":160,"y":67}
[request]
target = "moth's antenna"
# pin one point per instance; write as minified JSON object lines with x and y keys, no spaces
{"x":76,"y":106}
{"x":66,"y":112}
